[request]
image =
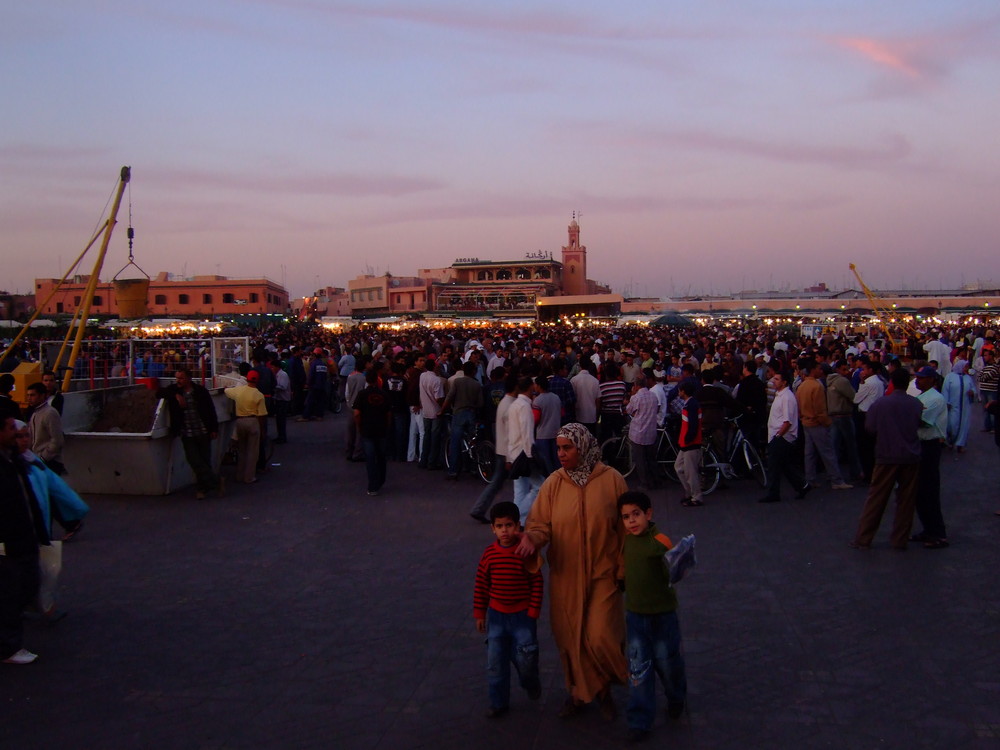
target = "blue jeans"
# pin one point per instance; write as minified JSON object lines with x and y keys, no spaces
{"x":510,"y":638}
{"x":987,"y":396}
{"x":488,"y":495}
{"x":374,"y":462}
{"x":462,"y":424}
{"x":653,"y":648}
{"x":430,"y":451}
{"x":525,"y":492}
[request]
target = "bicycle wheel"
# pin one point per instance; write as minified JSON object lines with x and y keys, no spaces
{"x":666,"y":457}
{"x":485,"y":456}
{"x":757,"y":469}
{"x":710,"y":471}
{"x":615,"y":453}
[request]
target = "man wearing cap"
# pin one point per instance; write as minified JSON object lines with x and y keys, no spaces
{"x":193,"y":419}
{"x":933,"y":430}
{"x":250,"y":411}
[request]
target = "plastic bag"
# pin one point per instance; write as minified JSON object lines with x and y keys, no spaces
{"x":681,"y":558}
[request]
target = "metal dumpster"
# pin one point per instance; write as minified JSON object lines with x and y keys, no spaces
{"x":118,"y":442}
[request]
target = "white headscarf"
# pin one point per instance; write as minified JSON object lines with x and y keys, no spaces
{"x":28,"y":456}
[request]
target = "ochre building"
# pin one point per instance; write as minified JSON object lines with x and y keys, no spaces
{"x":200,"y":296}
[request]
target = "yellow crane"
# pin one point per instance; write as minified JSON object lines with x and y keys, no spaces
{"x":884,"y":313}
{"x":79,"y":321}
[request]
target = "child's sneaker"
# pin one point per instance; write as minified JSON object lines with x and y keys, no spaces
{"x":21,"y":657}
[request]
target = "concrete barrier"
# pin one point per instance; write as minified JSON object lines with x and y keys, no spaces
{"x":139,"y":462}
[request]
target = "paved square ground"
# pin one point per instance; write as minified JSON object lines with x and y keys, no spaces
{"x":301,"y":613}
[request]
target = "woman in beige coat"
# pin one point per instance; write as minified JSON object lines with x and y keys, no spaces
{"x":576,"y":516}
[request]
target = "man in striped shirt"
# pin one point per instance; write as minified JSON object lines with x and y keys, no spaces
{"x":506,"y":603}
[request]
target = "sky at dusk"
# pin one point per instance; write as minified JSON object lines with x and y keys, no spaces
{"x":710,"y":145}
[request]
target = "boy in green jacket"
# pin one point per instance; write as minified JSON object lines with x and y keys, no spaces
{"x":654,"y":634}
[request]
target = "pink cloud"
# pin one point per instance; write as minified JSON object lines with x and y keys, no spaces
{"x":882,"y":53}
{"x":930,"y":55}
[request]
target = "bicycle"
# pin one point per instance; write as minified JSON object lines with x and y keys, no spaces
{"x":742,"y":460}
{"x":477,"y":451}
{"x":615,"y":452}
{"x":336,"y":403}
{"x":666,"y":452}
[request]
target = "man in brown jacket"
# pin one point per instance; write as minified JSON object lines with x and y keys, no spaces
{"x":816,"y":422}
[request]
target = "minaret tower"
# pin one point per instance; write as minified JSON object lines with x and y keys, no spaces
{"x":574,"y":259}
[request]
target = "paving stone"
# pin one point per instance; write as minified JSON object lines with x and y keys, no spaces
{"x":300,"y":613}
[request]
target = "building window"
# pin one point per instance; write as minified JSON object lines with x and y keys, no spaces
{"x":206,"y":299}
{"x":503,"y":274}
{"x":160,"y":299}
{"x":485,"y":276}
{"x":254,"y":297}
{"x":227,"y":298}
{"x":98,"y":300}
{"x":523,"y":274}
{"x":183,"y":299}
{"x":76,"y":301}
{"x":59,"y":307}
{"x":379,"y":293}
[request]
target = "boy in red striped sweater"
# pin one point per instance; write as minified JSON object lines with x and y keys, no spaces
{"x":506,"y":604}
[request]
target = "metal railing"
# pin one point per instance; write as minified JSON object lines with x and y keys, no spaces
{"x":104,"y":363}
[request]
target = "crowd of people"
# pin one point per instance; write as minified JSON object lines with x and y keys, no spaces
{"x":431,"y":390}
{"x":844,"y":408}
